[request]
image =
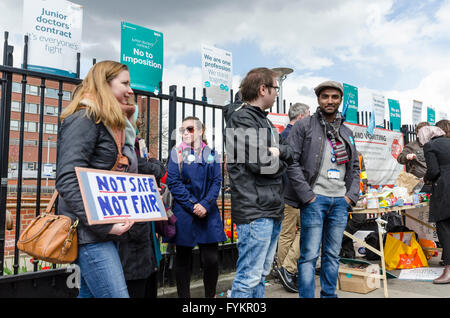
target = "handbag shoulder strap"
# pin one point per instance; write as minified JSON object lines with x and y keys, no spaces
{"x":52,"y":202}
{"x":119,"y":138}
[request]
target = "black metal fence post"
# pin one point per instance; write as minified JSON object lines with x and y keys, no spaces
{"x":172,"y":116}
{"x":5,"y":115}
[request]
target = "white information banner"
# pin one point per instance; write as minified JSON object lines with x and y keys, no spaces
{"x":378,"y":104}
{"x":217,"y":73}
{"x":417,"y":112}
{"x":380,"y":153}
{"x":54,"y":35}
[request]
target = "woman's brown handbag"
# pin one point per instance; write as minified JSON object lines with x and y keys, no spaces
{"x":51,"y":238}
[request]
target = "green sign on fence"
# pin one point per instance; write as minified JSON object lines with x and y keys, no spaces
{"x":395,"y":115}
{"x":431,"y":115}
{"x":142,"y":50}
{"x":350,"y":107}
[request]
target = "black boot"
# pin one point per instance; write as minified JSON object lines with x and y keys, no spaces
{"x":288,"y":280}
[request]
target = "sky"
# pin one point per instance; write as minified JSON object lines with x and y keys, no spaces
{"x":397,"y":48}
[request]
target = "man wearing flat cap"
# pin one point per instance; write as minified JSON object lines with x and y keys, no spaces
{"x":324,"y":184}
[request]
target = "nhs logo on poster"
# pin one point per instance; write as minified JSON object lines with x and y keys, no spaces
{"x":54,"y":35}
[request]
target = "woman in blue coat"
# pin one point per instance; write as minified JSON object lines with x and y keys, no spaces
{"x":195,"y":191}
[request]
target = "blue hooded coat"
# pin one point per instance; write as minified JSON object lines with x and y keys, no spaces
{"x":199,"y":182}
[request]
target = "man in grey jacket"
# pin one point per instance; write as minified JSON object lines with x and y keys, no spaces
{"x":324,"y":183}
{"x":256,"y":162}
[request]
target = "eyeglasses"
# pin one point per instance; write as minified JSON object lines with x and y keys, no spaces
{"x":277,"y":88}
{"x":190,"y":129}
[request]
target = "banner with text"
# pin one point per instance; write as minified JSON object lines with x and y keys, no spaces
{"x":378,"y":105}
{"x":142,"y":50}
{"x":380,"y":152}
{"x":395,"y":115}
{"x":113,"y":197}
{"x":54,"y":35}
{"x":351,"y":101}
{"x":217,"y":73}
{"x":417,"y":112}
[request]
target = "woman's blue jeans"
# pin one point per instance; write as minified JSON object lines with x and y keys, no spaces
{"x":257,"y":244}
{"x":322,"y":224}
{"x":101,"y":271}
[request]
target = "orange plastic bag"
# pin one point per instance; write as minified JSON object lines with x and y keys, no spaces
{"x":428,"y":243}
{"x":402,"y":250}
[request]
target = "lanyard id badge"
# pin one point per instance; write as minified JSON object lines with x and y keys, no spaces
{"x":333,"y":174}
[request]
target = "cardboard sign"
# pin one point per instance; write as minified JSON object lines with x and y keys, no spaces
{"x":113,"y":197}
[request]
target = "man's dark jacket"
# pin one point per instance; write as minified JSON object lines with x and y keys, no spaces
{"x":256,"y":185}
{"x":307,"y":138}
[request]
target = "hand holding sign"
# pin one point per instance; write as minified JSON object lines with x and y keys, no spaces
{"x":120,"y":228}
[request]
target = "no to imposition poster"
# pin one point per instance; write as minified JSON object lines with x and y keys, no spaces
{"x":142,"y":50}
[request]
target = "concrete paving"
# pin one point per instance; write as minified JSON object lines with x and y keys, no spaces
{"x":397,"y":288}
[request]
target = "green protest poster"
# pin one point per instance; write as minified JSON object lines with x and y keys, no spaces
{"x":431,"y":115}
{"x":395,"y":115}
{"x":350,"y":108}
{"x":141,"y":49}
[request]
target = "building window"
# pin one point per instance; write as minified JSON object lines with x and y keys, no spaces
{"x":31,"y":108}
{"x":29,"y":166}
{"x":51,"y":110}
{"x":14,"y":125}
{"x":15,"y":106}
{"x":16,"y":87}
{"x":30,"y":143}
{"x":31,"y":126}
{"x":33,"y":90}
{"x":67,"y":95}
{"x":51,"y":93}
{"x":51,"y":129}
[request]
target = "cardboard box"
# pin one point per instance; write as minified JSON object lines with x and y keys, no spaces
{"x":359,"y":278}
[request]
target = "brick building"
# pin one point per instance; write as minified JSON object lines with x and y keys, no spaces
{"x":49,"y":144}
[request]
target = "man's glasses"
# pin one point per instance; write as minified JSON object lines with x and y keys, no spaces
{"x":277,"y":88}
{"x":190,"y":129}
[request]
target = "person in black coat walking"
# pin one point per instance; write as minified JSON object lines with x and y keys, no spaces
{"x":437,"y":156}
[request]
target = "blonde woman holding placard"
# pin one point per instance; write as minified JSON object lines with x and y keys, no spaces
{"x":93,"y":134}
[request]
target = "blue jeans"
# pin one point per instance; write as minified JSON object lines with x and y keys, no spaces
{"x":322,"y":224}
{"x":257,"y":244}
{"x":101,"y":271}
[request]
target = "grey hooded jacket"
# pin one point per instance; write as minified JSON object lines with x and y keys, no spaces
{"x":308,"y":138}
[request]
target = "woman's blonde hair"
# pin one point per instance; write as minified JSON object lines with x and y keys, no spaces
{"x":101,"y":106}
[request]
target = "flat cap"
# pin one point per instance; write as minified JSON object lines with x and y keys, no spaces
{"x":329,"y":84}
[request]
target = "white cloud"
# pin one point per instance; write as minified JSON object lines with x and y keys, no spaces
{"x":315,"y":38}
